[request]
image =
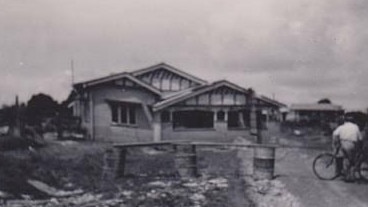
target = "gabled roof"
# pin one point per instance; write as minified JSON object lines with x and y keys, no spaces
{"x":271,"y":101}
{"x":113,"y":77}
{"x":195,"y":92}
{"x":315,"y":107}
{"x":171,"y":69}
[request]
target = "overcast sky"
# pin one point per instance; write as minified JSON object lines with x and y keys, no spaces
{"x":297,"y":51}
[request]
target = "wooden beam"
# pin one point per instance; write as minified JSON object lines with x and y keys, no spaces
{"x":157,"y":128}
{"x":92,"y":115}
{"x":148,"y":113}
{"x":180,"y":83}
{"x":170,"y":80}
{"x":151,"y":76}
{"x":161,"y":75}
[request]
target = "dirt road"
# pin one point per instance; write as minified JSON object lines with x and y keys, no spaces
{"x":294,"y":169}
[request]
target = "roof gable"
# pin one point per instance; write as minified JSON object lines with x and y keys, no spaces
{"x":219,"y":93}
{"x":270,"y":101}
{"x":167,"y":78}
{"x":122,"y":79}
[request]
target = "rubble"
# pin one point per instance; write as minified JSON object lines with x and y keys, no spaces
{"x":62,"y":167}
{"x":160,"y":184}
{"x":51,"y":191}
{"x":191,"y":192}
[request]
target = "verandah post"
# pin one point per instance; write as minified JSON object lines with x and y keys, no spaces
{"x":255,"y":118}
{"x":156,"y":125}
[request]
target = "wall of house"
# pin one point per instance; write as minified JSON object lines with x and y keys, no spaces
{"x":104,"y":130}
{"x":219,"y":133}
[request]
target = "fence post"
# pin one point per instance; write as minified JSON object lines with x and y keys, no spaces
{"x":186,"y":160}
{"x":114,"y":163}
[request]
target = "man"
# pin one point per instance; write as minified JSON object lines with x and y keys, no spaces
{"x":346,"y":139}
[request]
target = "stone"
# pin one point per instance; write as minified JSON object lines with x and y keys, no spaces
{"x":160,"y":184}
{"x":191,"y":185}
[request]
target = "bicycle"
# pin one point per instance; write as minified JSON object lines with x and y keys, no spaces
{"x":324,"y":166}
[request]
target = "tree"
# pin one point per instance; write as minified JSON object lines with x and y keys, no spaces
{"x":324,"y":101}
{"x":39,"y":107}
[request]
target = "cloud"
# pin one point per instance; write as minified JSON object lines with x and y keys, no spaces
{"x":300,"y":50}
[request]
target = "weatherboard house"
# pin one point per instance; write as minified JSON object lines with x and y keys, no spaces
{"x":162,"y":102}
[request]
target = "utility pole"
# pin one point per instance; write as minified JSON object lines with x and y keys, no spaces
{"x":16,"y":129}
{"x":72,"y":71}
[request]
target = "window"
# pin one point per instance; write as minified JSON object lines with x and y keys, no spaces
{"x":123,"y":113}
{"x":195,"y":119}
{"x":220,"y":116}
{"x":86,"y":111}
{"x":238,"y":119}
{"x":165,"y":117}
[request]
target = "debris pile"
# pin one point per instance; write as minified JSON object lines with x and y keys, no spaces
{"x":270,"y":193}
{"x":203,"y":191}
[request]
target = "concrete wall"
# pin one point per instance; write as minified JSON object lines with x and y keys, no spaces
{"x":104,"y":130}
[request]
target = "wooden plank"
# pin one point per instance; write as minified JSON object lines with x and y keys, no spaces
{"x":147,"y":144}
{"x":170,"y":81}
{"x":222,"y":144}
{"x":147,"y":112}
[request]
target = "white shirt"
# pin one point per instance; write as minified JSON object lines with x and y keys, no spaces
{"x":348,"y":132}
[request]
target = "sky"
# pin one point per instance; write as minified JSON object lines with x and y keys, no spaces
{"x":296,"y":51}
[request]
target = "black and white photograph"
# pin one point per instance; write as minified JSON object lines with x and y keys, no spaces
{"x":172,"y":103}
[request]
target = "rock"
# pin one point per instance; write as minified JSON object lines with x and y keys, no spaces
{"x":127,"y":193}
{"x":219,"y":182}
{"x":160,"y":184}
{"x":197,"y":197}
{"x":69,"y":185}
{"x":26,"y":197}
{"x":191,"y":185}
{"x":141,"y":198}
{"x":297,"y":132}
{"x":54,"y":201}
{"x":85,"y":198}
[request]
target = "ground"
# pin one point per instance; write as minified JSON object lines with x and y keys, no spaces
{"x":294,"y":170}
{"x":151,"y":178}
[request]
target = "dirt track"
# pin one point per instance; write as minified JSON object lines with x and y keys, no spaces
{"x":294,"y":168}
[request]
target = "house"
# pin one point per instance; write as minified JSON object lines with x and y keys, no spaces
{"x":315,"y":113}
{"x":162,"y":102}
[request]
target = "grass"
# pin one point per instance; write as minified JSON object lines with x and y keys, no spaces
{"x":55,"y":164}
{"x":70,"y":165}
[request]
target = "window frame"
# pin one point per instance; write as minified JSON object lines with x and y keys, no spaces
{"x":130,"y":114}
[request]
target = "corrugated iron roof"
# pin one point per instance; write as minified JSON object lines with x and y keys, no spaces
{"x":316,"y":107}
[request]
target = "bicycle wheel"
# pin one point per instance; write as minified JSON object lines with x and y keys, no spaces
{"x":324,"y":166}
{"x":363,"y":171}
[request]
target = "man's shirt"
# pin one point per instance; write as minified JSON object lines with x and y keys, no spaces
{"x":348,"y":132}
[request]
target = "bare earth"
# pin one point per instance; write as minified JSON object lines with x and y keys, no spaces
{"x":294,"y":167}
{"x":294,"y":170}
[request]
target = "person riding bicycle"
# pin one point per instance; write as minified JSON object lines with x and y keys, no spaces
{"x":347,"y":139}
